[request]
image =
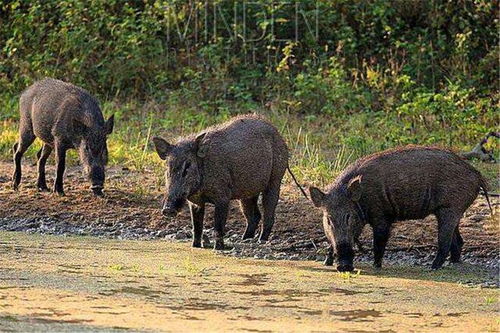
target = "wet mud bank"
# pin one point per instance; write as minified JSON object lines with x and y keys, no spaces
{"x":131,"y":211}
{"x":294,"y":248}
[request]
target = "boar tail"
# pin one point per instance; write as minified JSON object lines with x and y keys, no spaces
{"x":488,"y":200}
{"x":297,"y":183}
{"x":484,"y":188}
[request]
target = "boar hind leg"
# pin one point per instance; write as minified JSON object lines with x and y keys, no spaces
{"x":250,"y":209}
{"x":381,"y":233}
{"x":26,"y":138}
{"x":447,"y":224}
{"x":43,"y":155}
{"x":456,"y":246}
{"x":61,"y":166}
{"x":269,"y":201}
{"x":197,"y":214}
{"x":220,"y":217}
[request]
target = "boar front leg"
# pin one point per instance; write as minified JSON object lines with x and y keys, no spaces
{"x":26,"y":138}
{"x":197,"y":214}
{"x":381,"y":233}
{"x":329,"y":257}
{"x":220,"y":217}
{"x":43,"y":155}
{"x":61,"y":166}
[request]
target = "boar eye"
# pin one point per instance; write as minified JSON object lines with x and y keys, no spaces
{"x":186,"y":167}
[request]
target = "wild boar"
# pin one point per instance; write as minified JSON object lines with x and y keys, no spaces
{"x":398,"y":184}
{"x":63,"y":116}
{"x":237,"y":160}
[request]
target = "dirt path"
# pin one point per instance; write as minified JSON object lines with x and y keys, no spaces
{"x":89,"y":284}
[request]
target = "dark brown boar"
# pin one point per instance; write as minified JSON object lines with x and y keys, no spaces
{"x":239,"y":159}
{"x":399,"y":184}
{"x":63,"y":116}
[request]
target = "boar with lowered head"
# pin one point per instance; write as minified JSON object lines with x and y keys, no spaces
{"x":239,"y":159}
{"x":63,"y":116}
{"x":399,"y":184}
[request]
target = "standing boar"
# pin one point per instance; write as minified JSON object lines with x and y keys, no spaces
{"x":239,"y":160}
{"x":63,"y":116}
{"x":399,"y":184}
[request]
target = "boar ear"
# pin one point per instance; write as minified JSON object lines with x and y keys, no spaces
{"x":317,"y":196}
{"x":110,"y":123}
{"x":79,"y":127}
{"x":354,"y":188}
{"x":201,"y":148}
{"x":163,"y":148}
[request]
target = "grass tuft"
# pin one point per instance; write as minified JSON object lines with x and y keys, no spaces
{"x":321,"y":146}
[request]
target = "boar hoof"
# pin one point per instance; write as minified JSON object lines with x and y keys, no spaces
{"x":59,"y":193}
{"x":437,"y":263}
{"x":196,"y":243}
{"x":219,"y":245}
{"x":328,"y":261}
{"x":263,"y":240}
{"x":206,"y":241}
{"x":248,"y":235}
{"x":43,"y":188}
{"x":436,"y":266}
{"x":455,"y":259}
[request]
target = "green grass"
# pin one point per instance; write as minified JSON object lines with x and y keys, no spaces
{"x":491,"y":300}
{"x":321,"y":146}
{"x":117,"y":267}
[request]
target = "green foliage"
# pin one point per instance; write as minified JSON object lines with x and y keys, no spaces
{"x":326,"y":90}
{"x":352,"y":76}
{"x":138,"y":48}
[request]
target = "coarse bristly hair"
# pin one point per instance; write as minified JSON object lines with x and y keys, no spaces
{"x":403,"y":183}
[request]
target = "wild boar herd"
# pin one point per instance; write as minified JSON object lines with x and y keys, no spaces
{"x":247,"y":157}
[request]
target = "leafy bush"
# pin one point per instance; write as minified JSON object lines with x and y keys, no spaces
{"x":383,"y":72}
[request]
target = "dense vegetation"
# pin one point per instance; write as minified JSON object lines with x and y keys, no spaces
{"x":340,"y":78}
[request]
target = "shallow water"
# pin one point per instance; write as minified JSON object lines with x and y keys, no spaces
{"x":54,"y":283}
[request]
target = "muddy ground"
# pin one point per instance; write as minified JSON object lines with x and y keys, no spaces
{"x":130,"y":210}
{"x":87,"y":284}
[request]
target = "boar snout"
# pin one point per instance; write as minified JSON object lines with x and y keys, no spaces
{"x":345,"y":255}
{"x":172,"y":209}
{"x":96,"y":176}
{"x":97,"y":190}
{"x":345,"y":266}
{"x":169,"y":212}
